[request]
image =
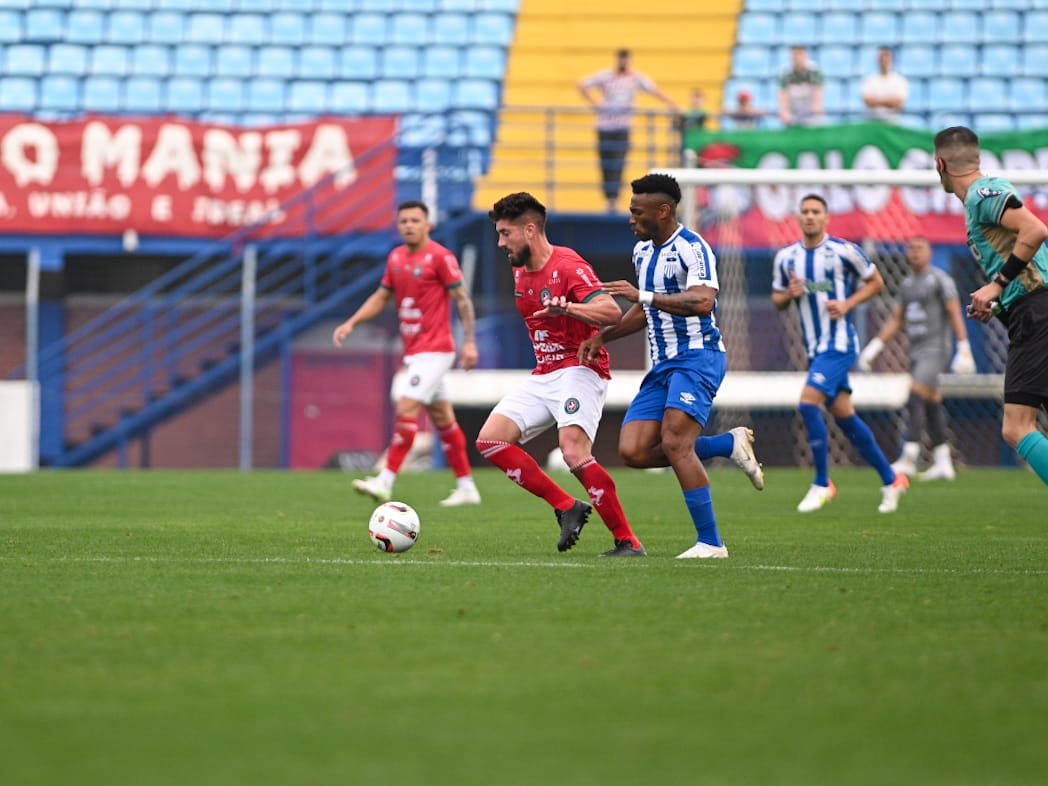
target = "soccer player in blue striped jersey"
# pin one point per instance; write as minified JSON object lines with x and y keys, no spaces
{"x":675,"y":300}
{"x":827,"y":278}
{"x":1007,"y":240}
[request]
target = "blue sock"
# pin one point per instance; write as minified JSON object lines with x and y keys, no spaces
{"x":861,"y":437}
{"x":700,"y":506}
{"x":718,"y":445}
{"x":1034,"y":450}
{"x":818,"y":441}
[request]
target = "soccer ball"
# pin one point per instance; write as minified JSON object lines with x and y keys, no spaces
{"x":394,"y":527}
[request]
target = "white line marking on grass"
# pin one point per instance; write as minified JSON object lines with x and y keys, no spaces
{"x":899,"y":571}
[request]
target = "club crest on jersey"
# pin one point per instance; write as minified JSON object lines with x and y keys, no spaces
{"x":989,"y":192}
{"x":417,"y":272}
{"x":415,"y":379}
{"x":545,"y":295}
{"x":571,"y":406}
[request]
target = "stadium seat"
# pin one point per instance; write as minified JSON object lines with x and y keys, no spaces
{"x":109,"y":60}
{"x":18,"y":93}
{"x":836,"y":28}
{"x":247,"y":29}
{"x":143,"y":94}
{"x":275,"y":61}
{"x":150,"y":60}
{"x":184,"y":95}
{"x":287,"y":29}
{"x":752,"y":61}
{"x":192,"y":60}
{"x":1002,"y":26}
{"x":774,"y":6}
{"x":24,"y":60}
{"x":994,"y":121}
{"x":999,"y":60}
{"x":1035,"y":27}
{"x":880,"y":29}
{"x":43,"y":25}
{"x":918,"y":99}
{"x":492,"y":29}
{"x":369,"y":29}
{"x":917,"y":60}
{"x":758,"y":29}
{"x":1010,"y":5}
{"x":485,"y":62}
{"x":987,"y":94}
{"x":422,"y":130}
{"x":358,"y":62}
{"x":1025,"y":121}
{"x":469,"y":127}
{"x":967,"y":5}
{"x":205,"y":28}
{"x":316,"y":62}
{"x":308,"y":96}
{"x":125,"y":27}
{"x":450,"y":29}
{"x":798,"y":28}
{"x":400,"y":62}
{"x":67,"y":59}
{"x":350,"y":97}
{"x":958,"y":60}
{"x":441,"y":61}
{"x":60,"y":93}
{"x":234,"y":61}
{"x":1034,"y":60}
{"x":391,"y":96}
{"x":265,"y":95}
{"x":101,"y":94}
{"x":1027,"y":93}
{"x":836,"y":60}
{"x":432,"y":95}
{"x":83,"y":27}
{"x":410,"y":29}
{"x":326,"y":29}
{"x":475,"y":94}
{"x":165,"y":27}
{"x":946,"y":94}
{"x":920,"y":28}
{"x":959,"y":27}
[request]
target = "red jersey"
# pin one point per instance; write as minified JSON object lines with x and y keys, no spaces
{"x":420,"y":284}
{"x":557,"y":339}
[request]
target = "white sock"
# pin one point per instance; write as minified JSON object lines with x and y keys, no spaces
{"x":386,"y":478}
{"x":466,"y":483}
{"x":911,"y":451}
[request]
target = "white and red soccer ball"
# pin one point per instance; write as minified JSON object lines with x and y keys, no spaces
{"x":394,"y":527}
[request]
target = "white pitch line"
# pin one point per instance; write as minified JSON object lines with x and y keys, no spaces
{"x":509,"y":564}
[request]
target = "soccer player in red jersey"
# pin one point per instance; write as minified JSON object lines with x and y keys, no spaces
{"x":563,"y":303}
{"x":423,"y":277}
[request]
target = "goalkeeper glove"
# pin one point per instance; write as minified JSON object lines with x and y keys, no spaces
{"x":963,"y":362}
{"x":869,"y":354}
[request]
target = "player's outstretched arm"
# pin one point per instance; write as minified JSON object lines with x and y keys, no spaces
{"x":369,"y":309}
{"x":469,"y":356}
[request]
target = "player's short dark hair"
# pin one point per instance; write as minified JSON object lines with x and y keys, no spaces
{"x":622,"y":53}
{"x":658,"y":183}
{"x":817,"y":198}
{"x":410,"y":203}
{"x":956,"y":136}
{"x":513,"y":206}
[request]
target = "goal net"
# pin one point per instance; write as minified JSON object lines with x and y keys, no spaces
{"x":749,"y":214}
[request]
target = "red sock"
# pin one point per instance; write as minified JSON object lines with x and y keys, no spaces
{"x":523,"y":470}
{"x":601,"y":489}
{"x":404,"y":430}
{"x":454,"y":443}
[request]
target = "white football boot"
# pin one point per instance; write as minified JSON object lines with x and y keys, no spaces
{"x":890,"y":494}
{"x":463,"y":495}
{"x":744,"y":457}
{"x":704,"y":551}
{"x":373,"y":487}
{"x":817,"y":497}
{"x":906,"y":464}
{"x":942,"y":466}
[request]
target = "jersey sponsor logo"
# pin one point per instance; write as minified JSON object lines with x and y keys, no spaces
{"x":818,"y":286}
{"x":556,"y":275}
{"x":581,"y":273}
{"x":540,"y":336}
{"x":572,"y":405}
{"x":989,"y":192}
{"x":687,"y":397}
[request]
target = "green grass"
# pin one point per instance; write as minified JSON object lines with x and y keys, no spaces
{"x":217,"y":628}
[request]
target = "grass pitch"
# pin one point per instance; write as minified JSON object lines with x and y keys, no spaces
{"x":216,"y":628}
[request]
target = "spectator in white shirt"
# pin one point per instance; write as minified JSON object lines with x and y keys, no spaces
{"x":885,"y":93}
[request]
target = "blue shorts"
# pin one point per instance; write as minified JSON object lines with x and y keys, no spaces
{"x":828,"y":373}
{"x":687,"y":382}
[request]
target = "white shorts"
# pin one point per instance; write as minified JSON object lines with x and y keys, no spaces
{"x":571,"y":396}
{"x":421,"y":378}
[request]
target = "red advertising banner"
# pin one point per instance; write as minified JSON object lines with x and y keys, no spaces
{"x":168,"y":176}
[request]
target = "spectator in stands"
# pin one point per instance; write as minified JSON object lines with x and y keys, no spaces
{"x":618,"y":88}
{"x":695,"y":116}
{"x":885,"y":93}
{"x":800,"y":91}
{"x":928,"y":308}
{"x":744,"y":114}
{"x":423,"y":277}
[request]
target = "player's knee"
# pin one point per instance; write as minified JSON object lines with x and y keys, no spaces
{"x":633,"y":455}
{"x":1012,"y":432}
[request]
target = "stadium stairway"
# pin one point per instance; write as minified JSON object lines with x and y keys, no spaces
{"x":680,"y":44}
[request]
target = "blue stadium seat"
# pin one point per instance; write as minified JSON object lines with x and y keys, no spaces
{"x":265,"y":95}
{"x":967,"y":5}
{"x":67,"y":59}
{"x":836,"y":28}
{"x":485,"y":62}
{"x":999,"y":60}
{"x":450,"y":29}
{"x":752,"y":61}
{"x":192,"y":60}
{"x":109,"y":60}
{"x":350,"y":97}
{"x":327,"y":29}
{"x":308,"y":96}
{"x":994,"y":121}
{"x":1000,"y":26}
{"x":125,"y":27}
{"x":24,"y":60}
{"x":400,"y":62}
{"x":917,"y":60}
{"x":1027,"y":121}
{"x":441,"y":61}
{"x":430,"y":6}
{"x":234,"y":61}
{"x":921,"y":28}
{"x":409,"y":29}
{"x":959,"y":27}
{"x":316,"y":62}
{"x":205,"y":28}
{"x":247,"y":29}
{"x":880,"y":29}
{"x":1035,"y":60}
{"x":184,"y":95}
{"x":1035,"y":27}
{"x":799,"y":28}
{"x":18,"y":93}
{"x":958,"y":60}
{"x":987,"y":94}
{"x":275,"y":61}
{"x":946,"y":94}
{"x":143,"y":94}
{"x":358,"y":62}
{"x":150,"y":60}
{"x":287,"y":29}
{"x":10,"y":26}
{"x":758,"y":29}
{"x":60,"y":93}
{"x":1010,"y":5}
{"x":165,"y":27}
{"x":43,"y":25}
{"x":836,"y":60}
{"x":1027,"y":93}
{"x":918,"y":98}
{"x":224,"y":95}
{"x":369,"y":29}
{"x":432,"y":95}
{"x":422,"y":130}
{"x":391,"y":95}
{"x":475,"y":94}
{"x":101,"y":94}
{"x":492,"y":29}
{"x":128,"y":5}
{"x":83,"y":27}
{"x":338,"y":6}
{"x":775,"y":6}
{"x":264,"y":6}
{"x":470,"y":127}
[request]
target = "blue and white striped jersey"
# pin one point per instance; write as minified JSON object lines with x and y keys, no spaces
{"x":830,"y":271}
{"x":685,"y":260}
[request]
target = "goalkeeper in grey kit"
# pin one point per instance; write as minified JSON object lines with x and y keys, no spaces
{"x":928,"y":307}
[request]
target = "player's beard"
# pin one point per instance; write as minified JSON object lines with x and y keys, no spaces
{"x":520,"y":258}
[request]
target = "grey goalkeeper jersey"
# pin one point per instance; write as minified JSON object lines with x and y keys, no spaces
{"x":923,"y":297}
